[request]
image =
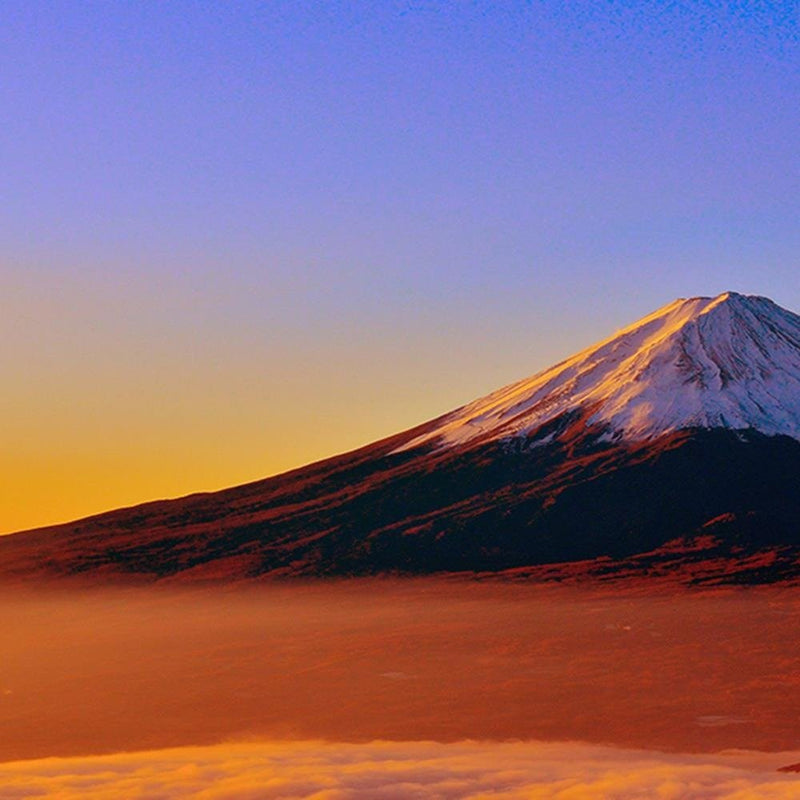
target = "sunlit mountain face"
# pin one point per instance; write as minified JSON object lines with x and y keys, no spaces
{"x":670,"y":449}
{"x":730,"y":362}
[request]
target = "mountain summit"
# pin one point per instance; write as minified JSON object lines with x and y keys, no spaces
{"x":669,"y":451}
{"x":724,"y":362}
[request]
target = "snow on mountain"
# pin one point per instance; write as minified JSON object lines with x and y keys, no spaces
{"x":731,"y":361}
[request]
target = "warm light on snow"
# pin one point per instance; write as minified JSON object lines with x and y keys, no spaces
{"x":725,"y":362}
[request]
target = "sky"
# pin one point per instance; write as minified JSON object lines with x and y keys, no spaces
{"x":240,"y":237}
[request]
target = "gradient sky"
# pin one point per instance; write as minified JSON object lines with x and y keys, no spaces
{"x":238,"y":237}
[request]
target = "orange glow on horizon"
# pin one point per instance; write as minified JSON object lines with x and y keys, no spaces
{"x":121,"y":388}
{"x":71,"y":457}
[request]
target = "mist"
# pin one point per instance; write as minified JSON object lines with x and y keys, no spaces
{"x":112,"y":670}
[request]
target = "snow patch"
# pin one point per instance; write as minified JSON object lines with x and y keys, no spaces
{"x":730,"y":361}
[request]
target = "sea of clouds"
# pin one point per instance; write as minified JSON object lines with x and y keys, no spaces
{"x":402,"y":771}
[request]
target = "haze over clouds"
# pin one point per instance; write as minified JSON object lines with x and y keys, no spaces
{"x":408,"y":770}
{"x":110,"y":671}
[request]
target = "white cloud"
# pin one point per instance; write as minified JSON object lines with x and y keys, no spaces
{"x":401,"y":771}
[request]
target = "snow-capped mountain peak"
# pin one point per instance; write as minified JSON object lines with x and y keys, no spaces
{"x":730,"y":361}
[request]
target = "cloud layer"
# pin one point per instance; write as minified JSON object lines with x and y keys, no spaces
{"x":395,"y":770}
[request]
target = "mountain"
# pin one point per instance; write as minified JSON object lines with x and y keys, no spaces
{"x":669,"y":450}
{"x":725,"y":362}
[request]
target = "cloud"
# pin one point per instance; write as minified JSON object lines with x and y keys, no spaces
{"x":400,"y":771}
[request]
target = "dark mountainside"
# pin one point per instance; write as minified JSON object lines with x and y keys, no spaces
{"x":568,"y":498}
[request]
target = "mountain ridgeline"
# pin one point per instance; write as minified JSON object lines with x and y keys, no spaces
{"x":670,"y":451}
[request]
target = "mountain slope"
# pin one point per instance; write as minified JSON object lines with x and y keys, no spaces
{"x":671,"y":448}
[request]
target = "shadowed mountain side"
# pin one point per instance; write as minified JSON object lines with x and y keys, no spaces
{"x":487,"y":507}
